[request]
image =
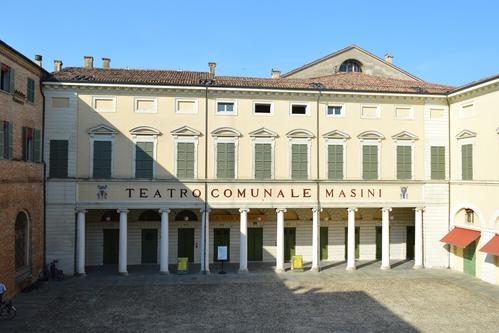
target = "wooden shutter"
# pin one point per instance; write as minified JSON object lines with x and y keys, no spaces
{"x":369,"y":162}
{"x":144,"y":159}
{"x":10,"y":138}
{"x":404,"y":162}
{"x":467,"y":161}
{"x":12,"y":78}
{"x":437,"y":162}
{"x":263,"y":161}
{"x":299,"y":161}
{"x":3,"y":143}
{"x":102,"y":159}
{"x":37,"y":145}
{"x":58,"y":159}
{"x":31,"y":90}
{"x":226,"y":160}
{"x":185,"y":160}
{"x":335,"y":161}
{"x":25,"y":143}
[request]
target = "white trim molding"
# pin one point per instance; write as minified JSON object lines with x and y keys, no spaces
{"x":186,"y":139}
{"x":263,"y":140}
{"x":404,"y":107}
{"x":145,"y":134}
{"x":263,"y":102}
{"x":148,"y":99}
{"x":378,"y":111}
{"x":263,"y":133}
{"x":339,"y":142}
{"x":222,"y":100}
{"x":196,"y":105}
{"x":108,"y":98}
{"x":305,"y":104}
{"x":370,"y":138}
{"x":341,"y":115}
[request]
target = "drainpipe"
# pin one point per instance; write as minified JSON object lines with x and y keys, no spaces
{"x":319,"y":87}
{"x":44,"y":184}
{"x":448,"y":182}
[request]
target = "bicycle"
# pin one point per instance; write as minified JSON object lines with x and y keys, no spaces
{"x":7,"y":310}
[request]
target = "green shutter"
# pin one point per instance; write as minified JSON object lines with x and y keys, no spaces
{"x":263,"y":161}
{"x":102,"y":159}
{"x":467,"y":161}
{"x":58,"y":158}
{"x":37,"y":145}
{"x":335,"y":161}
{"x":144,"y":159}
{"x":404,"y":162}
{"x":12,"y":78}
{"x":369,"y":162}
{"x":226,"y":160}
{"x":3,"y":144}
{"x":437,"y":162}
{"x":10,"y":143}
{"x":299,"y":161}
{"x":185,"y":160}
{"x":31,"y":90}
{"x":25,"y":143}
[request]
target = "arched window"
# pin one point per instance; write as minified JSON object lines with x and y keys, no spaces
{"x":150,"y":215}
{"x":351,"y":65}
{"x":22,"y":241}
{"x":186,"y":215}
{"x":110,"y":215}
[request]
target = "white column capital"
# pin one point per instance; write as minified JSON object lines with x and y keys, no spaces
{"x":203,"y":210}
{"x":280,"y":210}
{"x":386,"y":209}
{"x":352,"y":209}
{"x":244,"y":210}
{"x":80,"y":210}
{"x":316,"y":209}
{"x":164,"y":210}
{"x":122,"y":210}
{"x":419,"y":209}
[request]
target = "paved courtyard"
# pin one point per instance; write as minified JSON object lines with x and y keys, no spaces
{"x":367,"y":300}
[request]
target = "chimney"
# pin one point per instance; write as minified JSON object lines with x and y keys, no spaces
{"x":38,"y":60}
{"x":276,"y":74}
{"x":389,"y":58}
{"x":212,"y":66}
{"x":88,"y":62}
{"x":106,"y":62}
{"x":57,"y":65}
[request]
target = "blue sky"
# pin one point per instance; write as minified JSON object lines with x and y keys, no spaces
{"x":451,"y":42}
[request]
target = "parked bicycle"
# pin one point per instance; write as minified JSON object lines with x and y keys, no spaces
{"x":56,"y":273}
{"x":7,"y":310}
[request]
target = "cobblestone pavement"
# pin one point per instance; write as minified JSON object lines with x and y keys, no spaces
{"x":366,"y":300}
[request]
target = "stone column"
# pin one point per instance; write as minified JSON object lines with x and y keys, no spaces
{"x":80,"y":242}
{"x":351,"y":239}
{"x":279,"y":266}
{"x":205,"y":241}
{"x":122,"y":265}
{"x":385,"y":238}
{"x":243,"y":243}
{"x":315,"y":239}
{"x":163,"y":245}
{"x":418,"y":239}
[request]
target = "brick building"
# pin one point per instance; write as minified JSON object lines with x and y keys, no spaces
{"x":21,"y":169}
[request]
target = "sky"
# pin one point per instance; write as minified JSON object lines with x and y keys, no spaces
{"x":449,"y":42}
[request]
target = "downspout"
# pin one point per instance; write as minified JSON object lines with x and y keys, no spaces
{"x":44,"y":185}
{"x":449,"y":180}
{"x":319,"y":88}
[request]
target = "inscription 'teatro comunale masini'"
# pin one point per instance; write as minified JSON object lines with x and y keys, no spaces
{"x":242,"y":193}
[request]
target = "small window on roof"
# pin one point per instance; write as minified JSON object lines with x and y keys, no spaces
{"x":299,"y":109}
{"x":225,"y":107}
{"x":334,"y":110}
{"x":263,"y":108}
{"x":351,"y":65}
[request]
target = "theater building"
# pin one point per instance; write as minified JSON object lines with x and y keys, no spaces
{"x":343,"y":159}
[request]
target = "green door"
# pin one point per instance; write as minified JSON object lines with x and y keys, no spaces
{"x":357,"y":242}
{"x":185,"y":246}
{"x":469,"y":256}
{"x":378,"y":243}
{"x":221,"y":237}
{"x":111,"y":246}
{"x":410,"y":239}
{"x":289,"y":243}
{"x":149,"y":246}
{"x":323,"y":243}
{"x":255,"y":244}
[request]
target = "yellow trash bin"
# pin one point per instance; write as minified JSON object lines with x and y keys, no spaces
{"x":297,"y":264}
{"x":182,"y":265}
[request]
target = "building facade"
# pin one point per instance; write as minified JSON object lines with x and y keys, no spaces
{"x":21,"y":169}
{"x":345,"y":158}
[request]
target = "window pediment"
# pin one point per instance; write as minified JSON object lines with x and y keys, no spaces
{"x":336,"y":134}
{"x":465,"y":134}
{"x":185,"y":131}
{"x":226,"y":132}
{"x":145,"y":130}
{"x":263,"y":133}
{"x":102,"y":130}
{"x":404,"y":135}
{"x":371,"y":135}
{"x":300,"y":134}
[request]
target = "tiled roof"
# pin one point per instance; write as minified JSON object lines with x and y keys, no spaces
{"x":337,"y":82}
{"x":477,"y":82}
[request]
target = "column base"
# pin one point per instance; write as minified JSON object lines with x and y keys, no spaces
{"x":81,"y":274}
{"x":315,"y":269}
{"x":279,"y":270}
{"x":243,"y":271}
{"x":123,"y":273}
{"x":207,"y":272}
{"x":418,"y":267}
{"x":386,"y":267}
{"x":164,"y":272}
{"x":351,"y":268}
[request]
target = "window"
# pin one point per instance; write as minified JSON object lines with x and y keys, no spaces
{"x":6,"y":143}
{"x":404,"y":162}
{"x":22,"y":241}
{"x":469,"y":215}
{"x":102,"y":159}
{"x":58,"y":160}
{"x":226,"y":107}
{"x":467,"y":162}
{"x":144,"y":159}
{"x":145,"y":105}
{"x":60,"y":102}
{"x":335,"y":162}
{"x":185,"y":160}
{"x":404,"y":113}
{"x":186,"y":106}
{"x":263,"y":160}
{"x":6,"y":78}
{"x":226,"y":160}
{"x":437,"y":162}
{"x":299,"y":109}
{"x":103,"y":104}
{"x":31,"y":139}
{"x":437,"y":113}
{"x":334,"y":111}
{"x":30,"y":94}
{"x":299,"y":161}
{"x":351,"y":65}
{"x":369,"y":162}
{"x":262,"y":108}
{"x":370,"y":111}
